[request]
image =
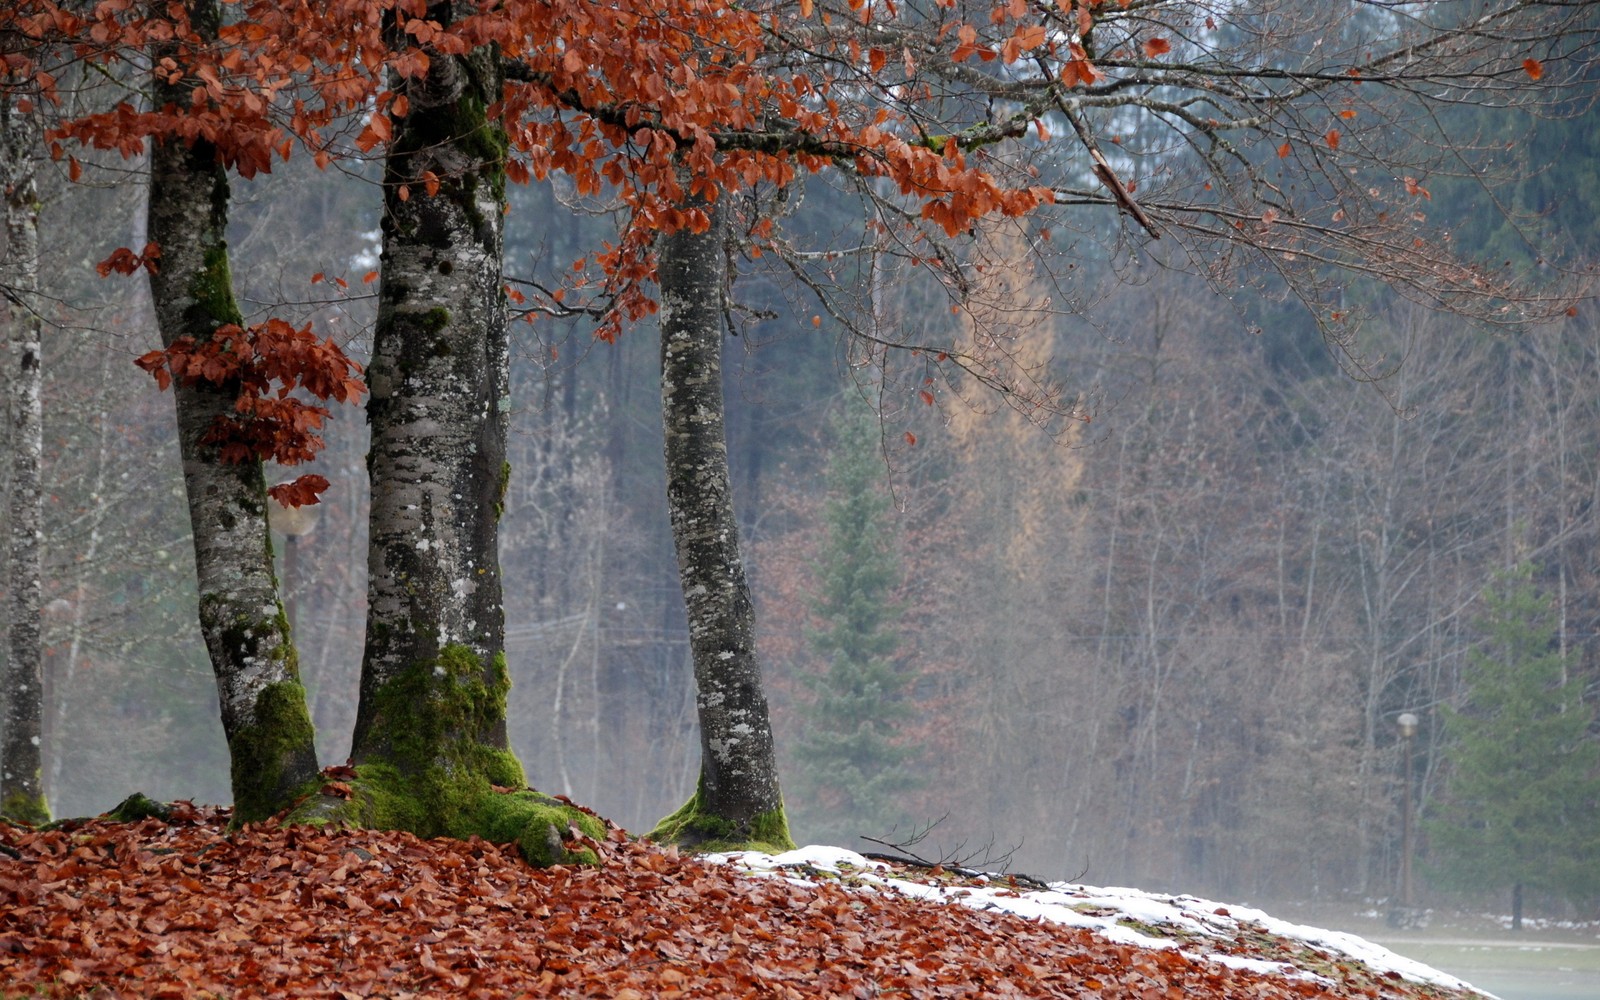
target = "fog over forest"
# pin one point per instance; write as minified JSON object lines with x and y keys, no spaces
{"x":1156,"y":631}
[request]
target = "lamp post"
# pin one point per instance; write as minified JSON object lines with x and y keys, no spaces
{"x":293,"y":523}
{"x":1408,"y":733}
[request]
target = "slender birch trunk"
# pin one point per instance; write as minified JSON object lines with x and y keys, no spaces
{"x":264,"y":717}
{"x":22,"y":794}
{"x":737,"y":800}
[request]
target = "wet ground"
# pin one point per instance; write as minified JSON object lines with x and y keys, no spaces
{"x":1544,"y":961}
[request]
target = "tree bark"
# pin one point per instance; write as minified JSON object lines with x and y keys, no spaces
{"x":430,"y":744}
{"x":264,"y":717}
{"x":439,"y":396}
{"x":22,"y":794}
{"x":738,"y":800}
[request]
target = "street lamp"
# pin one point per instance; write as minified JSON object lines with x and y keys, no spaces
{"x":293,"y":523}
{"x":1408,"y":733}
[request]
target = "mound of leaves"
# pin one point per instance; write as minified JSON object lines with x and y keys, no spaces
{"x":184,"y":908}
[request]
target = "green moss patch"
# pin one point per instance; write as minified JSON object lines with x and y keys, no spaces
{"x":381,"y":797}
{"x":139,"y":806}
{"x":433,"y":321}
{"x":538,"y":824}
{"x":212,"y":289}
{"x":439,"y":772}
{"x":500,"y":491}
{"x":692,"y":827}
{"x":268,"y":753}
{"x":28,"y":810}
{"x":441,"y":715}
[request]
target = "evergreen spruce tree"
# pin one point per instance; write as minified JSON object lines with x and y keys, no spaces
{"x":1522,"y":802}
{"x":852,"y":768}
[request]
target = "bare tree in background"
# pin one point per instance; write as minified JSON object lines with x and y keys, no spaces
{"x":1277,"y":146}
{"x":558,"y":540}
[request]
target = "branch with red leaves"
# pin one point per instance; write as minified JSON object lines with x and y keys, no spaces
{"x":265,"y":365}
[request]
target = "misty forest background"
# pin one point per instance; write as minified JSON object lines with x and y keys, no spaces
{"x":1164,"y":647}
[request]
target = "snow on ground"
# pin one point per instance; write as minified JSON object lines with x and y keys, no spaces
{"x":1112,"y":913}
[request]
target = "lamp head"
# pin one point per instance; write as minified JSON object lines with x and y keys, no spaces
{"x":293,"y":522}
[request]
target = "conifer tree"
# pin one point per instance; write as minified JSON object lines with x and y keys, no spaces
{"x":852,"y":764}
{"x":1522,"y":803}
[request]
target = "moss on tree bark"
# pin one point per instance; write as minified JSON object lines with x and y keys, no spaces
{"x":436,"y":769}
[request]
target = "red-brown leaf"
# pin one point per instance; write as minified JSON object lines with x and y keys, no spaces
{"x":190,"y":908}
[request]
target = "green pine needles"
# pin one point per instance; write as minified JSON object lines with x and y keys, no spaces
{"x":1522,"y":801}
{"x":852,"y":765}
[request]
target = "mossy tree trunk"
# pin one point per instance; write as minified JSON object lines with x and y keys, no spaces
{"x":738,"y":800}
{"x":264,"y":717}
{"x":22,"y":682}
{"x":439,"y":394}
{"x":430,"y":748}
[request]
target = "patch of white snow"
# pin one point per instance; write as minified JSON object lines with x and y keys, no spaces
{"x":1106,"y":911}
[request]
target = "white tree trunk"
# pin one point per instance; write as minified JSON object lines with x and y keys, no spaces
{"x":439,"y":379}
{"x":22,"y":684}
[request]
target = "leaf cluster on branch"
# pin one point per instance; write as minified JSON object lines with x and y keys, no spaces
{"x":264,"y":365}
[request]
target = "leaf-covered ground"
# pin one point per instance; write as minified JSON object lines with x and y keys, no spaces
{"x":185,"y":909}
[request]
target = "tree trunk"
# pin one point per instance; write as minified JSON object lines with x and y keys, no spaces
{"x":737,"y":800}
{"x":440,"y":393}
{"x":22,"y":795}
{"x":430,"y":743}
{"x":433,"y":673}
{"x":264,"y":717}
